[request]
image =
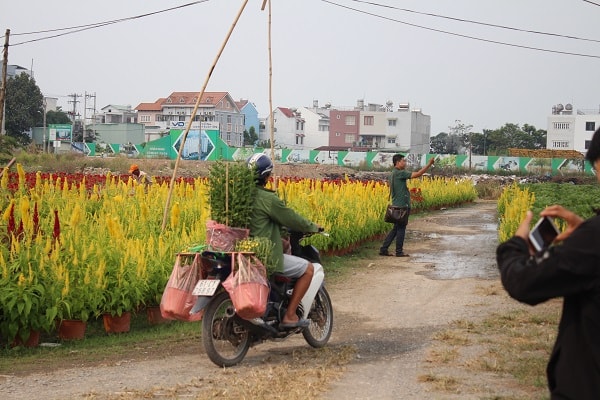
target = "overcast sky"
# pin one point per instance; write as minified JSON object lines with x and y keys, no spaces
{"x":422,"y":52}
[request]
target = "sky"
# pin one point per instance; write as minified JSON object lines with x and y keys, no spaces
{"x":476,"y":62}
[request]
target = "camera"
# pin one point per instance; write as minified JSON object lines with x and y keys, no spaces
{"x":543,"y":233}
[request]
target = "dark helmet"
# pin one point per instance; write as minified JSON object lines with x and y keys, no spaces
{"x":262,"y":164}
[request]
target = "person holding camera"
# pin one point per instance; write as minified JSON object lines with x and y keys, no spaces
{"x":569,"y":269}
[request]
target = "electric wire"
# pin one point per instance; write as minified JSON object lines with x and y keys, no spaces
{"x":81,"y":28}
{"x":461,"y":35}
{"x":476,"y":22}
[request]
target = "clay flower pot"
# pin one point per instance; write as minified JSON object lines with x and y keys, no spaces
{"x":155,"y":316}
{"x":71,"y":329}
{"x":117,"y":324}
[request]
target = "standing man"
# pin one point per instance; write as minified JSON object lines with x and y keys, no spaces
{"x":400,"y":198}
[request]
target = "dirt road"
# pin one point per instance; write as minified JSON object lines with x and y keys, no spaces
{"x":387,"y":309}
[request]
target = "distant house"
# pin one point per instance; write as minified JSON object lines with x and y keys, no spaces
{"x":117,"y":114}
{"x":570,"y":129}
{"x":288,"y":128}
{"x":250,"y":115}
{"x":175,"y":111}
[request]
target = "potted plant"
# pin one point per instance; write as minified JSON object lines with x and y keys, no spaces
{"x":25,"y":311}
{"x":124,"y":292}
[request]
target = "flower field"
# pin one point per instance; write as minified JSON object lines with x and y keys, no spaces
{"x":75,"y":246}
{"x":517,"y":199}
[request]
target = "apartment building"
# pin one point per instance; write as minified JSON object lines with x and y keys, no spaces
{"x":570,"y":129}
{"x":175,"y":111}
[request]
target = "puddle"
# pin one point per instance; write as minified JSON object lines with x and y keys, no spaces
{"x":468,"y":253}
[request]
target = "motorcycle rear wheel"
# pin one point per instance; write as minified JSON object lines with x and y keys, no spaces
{"x":225,"y":341}
{"x":317,"y":334}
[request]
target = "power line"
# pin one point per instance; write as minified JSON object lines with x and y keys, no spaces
{"x":81,"y":28}
{"x":591,"y":2}
{"x":461,"y":35}
{"x":478,"y":22}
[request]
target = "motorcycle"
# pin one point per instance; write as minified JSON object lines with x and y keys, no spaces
{"x":227,"y":337}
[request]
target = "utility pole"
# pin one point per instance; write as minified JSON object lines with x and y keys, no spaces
{"x":93,"y":109}
{"x":3,"y":87}
{"x":85,"y":97}
{"x":74,"y":101}
{"x":45,"y":128}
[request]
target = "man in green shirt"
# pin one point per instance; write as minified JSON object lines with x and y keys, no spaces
{"x":269,"y":215}
{"x":401,"y":198}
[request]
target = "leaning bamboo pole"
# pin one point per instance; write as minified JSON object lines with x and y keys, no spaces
{"x":189,"y":125}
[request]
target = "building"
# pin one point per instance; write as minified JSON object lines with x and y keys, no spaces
{"x":250,"y":115}
{"x":117,"y":114}
{"x":175,"y":111}
{"x":362,"y":127}
{"x":316,"y":125}
{"x":570,"y":129}
{"x":288,"y":128}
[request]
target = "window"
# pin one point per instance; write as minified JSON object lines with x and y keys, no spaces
{"x":369,"y":120}
{"x":323,"y":128}
{"x":144,"y":118}
{"x":350,"y":120}
{"x":391,"y":122}
{"x":562,"y":125}
{"x":337,"y":134}
{"x":560,"y":144}
{"x":348,"y":138}
{"x":299,"y":139}
{"x":391,"y":140}
{"x":590,"y":126}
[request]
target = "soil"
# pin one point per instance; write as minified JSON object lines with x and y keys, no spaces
{"x":387,"y":310}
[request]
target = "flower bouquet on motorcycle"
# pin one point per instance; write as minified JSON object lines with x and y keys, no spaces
{"x":243,"y":297}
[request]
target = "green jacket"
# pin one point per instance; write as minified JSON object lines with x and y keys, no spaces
{"x":398,"y":188}
{"x":269,"y":215}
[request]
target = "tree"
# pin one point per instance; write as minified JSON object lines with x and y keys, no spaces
{"x":445,"y":143}
{"x":250,"y":137}
{"x":513,"y":136}
{"x":24,"y":107}
{"x":57,"y":117}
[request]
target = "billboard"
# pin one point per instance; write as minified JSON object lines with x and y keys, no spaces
{"x":60,"y":132}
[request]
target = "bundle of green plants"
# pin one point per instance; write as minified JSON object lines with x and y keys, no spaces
{"x":231,"y":193}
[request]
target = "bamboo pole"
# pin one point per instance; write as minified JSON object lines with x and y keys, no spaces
{"x":271,"y":122}
{"x":189,"y":125}
{"x":8,"y":166}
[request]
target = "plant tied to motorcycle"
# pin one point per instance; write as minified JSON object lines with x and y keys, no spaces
{"x":231,"y":192}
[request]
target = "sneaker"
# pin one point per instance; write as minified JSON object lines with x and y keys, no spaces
{"x":386,"y":254}
{"x":402,"y":255}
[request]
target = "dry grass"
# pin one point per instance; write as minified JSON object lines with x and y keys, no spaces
{"x":506,"y":352}
{"x":307,"y":374}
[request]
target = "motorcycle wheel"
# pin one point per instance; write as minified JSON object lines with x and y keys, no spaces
{"x":317,"y":334}
{"x":225,"y":341}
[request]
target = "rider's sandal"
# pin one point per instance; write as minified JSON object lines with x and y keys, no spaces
{"x":301,"y":323}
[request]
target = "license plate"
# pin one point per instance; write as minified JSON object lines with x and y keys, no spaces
{"x":206,"y":287}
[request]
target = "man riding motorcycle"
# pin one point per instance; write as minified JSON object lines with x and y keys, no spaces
{"x":269,"y":216}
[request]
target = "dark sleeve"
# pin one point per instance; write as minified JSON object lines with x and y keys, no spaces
{"x":563,"y":270}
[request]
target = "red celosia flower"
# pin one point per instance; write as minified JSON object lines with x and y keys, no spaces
{"x":56,"y":231}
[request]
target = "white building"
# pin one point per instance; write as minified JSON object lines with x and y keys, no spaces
{"x":570,"y":129}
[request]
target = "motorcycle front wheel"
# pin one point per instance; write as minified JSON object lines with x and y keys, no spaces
{"x":225,"y":341}
{"x":317,"y":334}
